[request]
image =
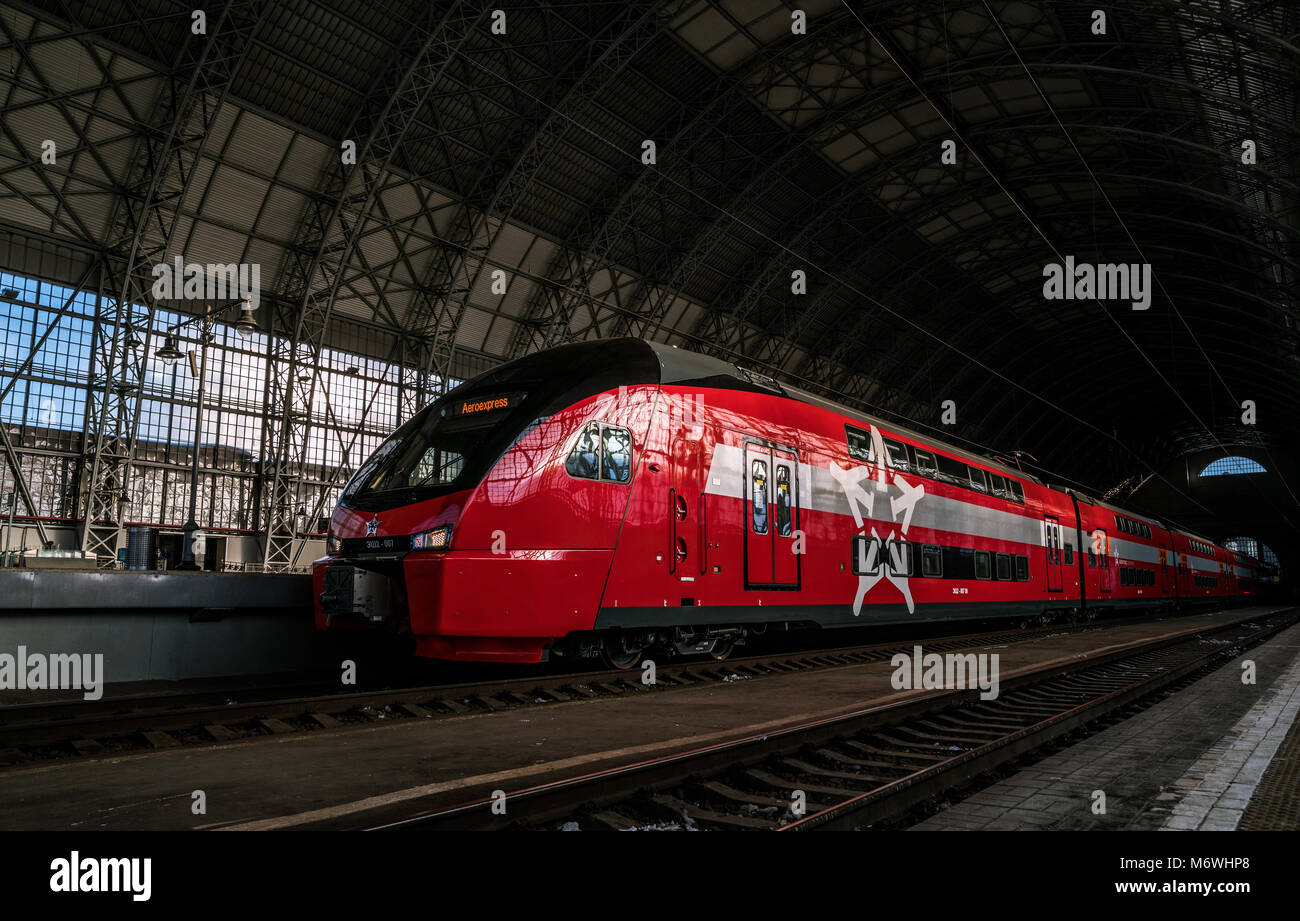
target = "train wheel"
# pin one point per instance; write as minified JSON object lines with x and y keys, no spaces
{"x":617,"y":655}
{"x":722,"y":649}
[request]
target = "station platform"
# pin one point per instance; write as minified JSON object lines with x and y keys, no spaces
{"x":162,"y":626}
{"x":354,"y":776}
{"x":1217,"y":756}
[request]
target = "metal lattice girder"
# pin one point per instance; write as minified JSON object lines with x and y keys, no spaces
{"x":763,"y":270}
{"x":420,"y":352}
{"x":589,"y":247}
{"x":64,"y":215}
{"x":330,"y":232}
{"x":956,"y":75}
{"x":140,"y":237}
{"x":444,"y":296}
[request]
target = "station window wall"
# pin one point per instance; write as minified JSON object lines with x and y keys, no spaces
{"x":357,"y":402}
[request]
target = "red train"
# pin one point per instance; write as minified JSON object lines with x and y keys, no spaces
{"x":606,"y":497}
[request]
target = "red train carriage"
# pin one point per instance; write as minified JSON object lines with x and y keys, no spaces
{"x":1201,"y":567}
{"x":605,"y":497}
{"x":1129,"y":561}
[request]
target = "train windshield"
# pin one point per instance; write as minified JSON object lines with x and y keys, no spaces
{"x":447,"y":447}
{"x":453,"y":443}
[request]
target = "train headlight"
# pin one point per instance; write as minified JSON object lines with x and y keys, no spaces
{"x":333,"y":544}
{"x":433,"y":539}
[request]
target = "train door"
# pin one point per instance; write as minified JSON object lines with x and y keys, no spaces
{"x":771,"y":516}
{"x":1101,"y":547}
{"x":1052,"y":535}
{"x":785,"y":522}
{"x":687,"y":524}
{"x":1164,"y":569}
{"x":758,"y":515}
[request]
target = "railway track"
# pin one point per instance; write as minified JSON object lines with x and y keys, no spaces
{"x":69,"y":729}
{"x":866,"y":768}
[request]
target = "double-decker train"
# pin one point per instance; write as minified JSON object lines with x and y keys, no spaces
{"x":607,"y":497}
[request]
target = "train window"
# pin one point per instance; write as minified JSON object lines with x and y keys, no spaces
{"x":1017,"y":491}
{"x":925,"y":464}
{"x":1069,"y":554}
{"x":584,"y":459}
{"x":859,"y":444}
{"x":897,"y":455}
{"x":951,"y":471}
{"x":1003,"y":561}
{"x":998,"y":485}
{"x":900,"y":557}
{"x":976,"y":479}
{"x":1146,"y":530}
{"x":983,"y":570}
{"x":866,"y":555}
{"x":783,"y":503}
{"x":436,"y":467}
{"x":932,"y":561}
{"x":1022,"y":568}
{"x":617,"y":454}
{"x":758,"y":474}
{"x":1092,"y":559}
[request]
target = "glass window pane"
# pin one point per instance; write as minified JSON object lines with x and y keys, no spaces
{"x":784,"y":503}
{"x":898,"y":456}
{"x":859,"y":444}
{"x":617,"y":455}
{"x":584,"y":459}
{"x":759,"y":492}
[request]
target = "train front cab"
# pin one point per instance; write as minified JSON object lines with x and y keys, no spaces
{"x":492,"y":516}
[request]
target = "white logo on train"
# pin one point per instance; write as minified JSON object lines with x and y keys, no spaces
{"x":886,"y":556}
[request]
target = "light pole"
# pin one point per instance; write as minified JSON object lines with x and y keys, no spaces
{"x":171,"y":354}
{"x":11,"y":498}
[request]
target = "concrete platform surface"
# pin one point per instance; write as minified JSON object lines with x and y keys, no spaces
{"x":349,"y":775}
{"x":1192,"y":761}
